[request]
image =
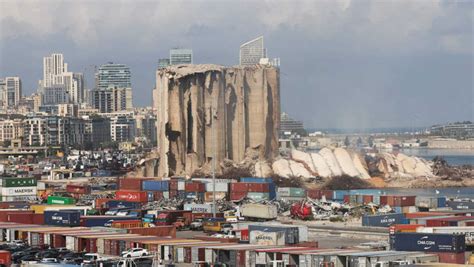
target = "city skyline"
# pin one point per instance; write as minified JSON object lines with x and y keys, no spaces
{"x":397,"y":69}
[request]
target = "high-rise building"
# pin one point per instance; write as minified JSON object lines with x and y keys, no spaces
{"x":181,"y":56}
{"x":122,"y":128}
{"x":113,"y":75}
{"x":163,"y":63}
{"x":252,"y":51}
{"x":112,"y":99}
{"x":74,"y":84}
{"x":54,"y":95}
{"x":53,"y":69}
{"x":11,"y":91}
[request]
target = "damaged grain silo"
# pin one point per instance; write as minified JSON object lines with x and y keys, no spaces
{"x":201,"y":106}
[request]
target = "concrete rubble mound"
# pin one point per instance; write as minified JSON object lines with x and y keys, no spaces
{"x":329,"y":163}
{"x":207,"y":110}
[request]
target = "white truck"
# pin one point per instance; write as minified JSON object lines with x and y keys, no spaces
{"x":262,"y":212}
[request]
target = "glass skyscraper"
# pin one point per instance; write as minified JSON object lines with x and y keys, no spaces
{"x":113,"y":75}
{"x":252,"y":51}
{"x":181,"y":56}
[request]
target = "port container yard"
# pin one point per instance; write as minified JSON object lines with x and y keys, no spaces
{"x":251,"y":227}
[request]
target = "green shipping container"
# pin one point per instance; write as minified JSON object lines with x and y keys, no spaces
{"x":297,"y":192}
{"x":17,"y":182}
{"x":61,"y":200}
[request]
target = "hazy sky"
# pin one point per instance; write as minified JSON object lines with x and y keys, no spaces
{"x":343,"y":63}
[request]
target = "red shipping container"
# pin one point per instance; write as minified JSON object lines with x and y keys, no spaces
{"x":4,"y":213}
{"x":23,"y":217}
{"x":162,"y":230}
{"x":173,"y":185}
{"x":258,"y":187}
{"x":347,"y":199}
{"x":132,"y":183}
{"x":101,"y":202}
{"x":5,"y":258}
{"x":195,"y":187}
{"x":237,"y":195}
{"x":132,"y":196}
{"x":318,"y":193}
{"x":397,"y":201}
{"x":422,"y":214}
{"x":239,"y":187}
{"x":78,"y":189}
{"x":367,"y":199}
{"x":449,"y":257}
{"x":37,"y":219}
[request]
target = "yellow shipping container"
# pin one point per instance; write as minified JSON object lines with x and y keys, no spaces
{"x":40,"y":208}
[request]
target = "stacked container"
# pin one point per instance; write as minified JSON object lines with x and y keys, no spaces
{"x":257,"y":191}
{"x":14,"y":189}
{"x":291,"y":193}
{"x":195,"y":190}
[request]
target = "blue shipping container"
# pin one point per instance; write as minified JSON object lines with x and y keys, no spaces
{"x":441,"y":202}
{"x":119,"y":204}
{"x":92,"y":221}
{"x":384,"y":220}
{"x":256,"y":180}
{"x":271,"y":191}
{"x":339,"y":194}
{"x":155,"y":185}
{"x":62,"y":217}
{"x":460,"y":205}
{"x":429,"y":242}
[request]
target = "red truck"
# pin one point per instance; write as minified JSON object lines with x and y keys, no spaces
{"x":169,"y":217}
{"x":301,"y":210}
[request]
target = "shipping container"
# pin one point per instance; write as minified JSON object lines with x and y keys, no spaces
{"x":339,"y":194}
{"x":18,"y":182}
{"x":398,"y":201}
{"x":256,"y":180}
{"x":460,"y":205}
{"x":384,"y":220}
{"x":291,"y":192}
{"x":132,"y":183}
{"x":156,"y":185}
{"x":118,"y":204}
{"x":430,"y":202}
{"x":291,"y":232}
{"x":199,"y":208}
{"x":195,"y":187}
{"x":78,"y":189}
{"x":276,"y":238}
{"x":123,"y":224}
{"x":93,"y":221}
{"x":467,"y":231}
{"x":5,"y":258}
{"x":452,"y":257}
{"x":429,"y":242}
{"x":220,"y":187}
{"x":161,"y":231}
{"x":20,"y":217}
{"x":258,"y":211}
{"x":209,"y":196}
{"x":61,"y":200}
{"x":62,"y":217}
{"x":18,"y":191}
{"x":233,"y":196}
{"x":257,"y":196}
{"x":132,"y":196}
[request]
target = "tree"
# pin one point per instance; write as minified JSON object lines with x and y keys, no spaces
{"x":347,"y":143}
{"x":359,"y":141}
{"x":371,"y":141}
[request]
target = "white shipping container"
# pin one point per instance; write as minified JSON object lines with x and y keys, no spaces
{"x":208,"y":255}
{"x":70,"y":242}
{"x":19,"y":191}
{"x":41,"y":186}
{"x":180,"y":255}
{"x":194,"y":254}
{"x":466,"y":230}
{"x":220,"y":187}
{"x":181,"y":185}
{"x":267,"y":238}
{"x":166,"y":194}
{"x":283,"y":191}
{"x":209,"y":180}
{"x":100,"y":245}
{"x":261,"y":258}
{"x":198,"y":207}
{"x":261,"y":211}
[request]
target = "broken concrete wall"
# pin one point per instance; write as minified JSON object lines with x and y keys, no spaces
{"x":207,"y":110}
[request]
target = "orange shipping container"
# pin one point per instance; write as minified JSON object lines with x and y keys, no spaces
{"x":127,"y":224}
{"x":165,"y":230}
